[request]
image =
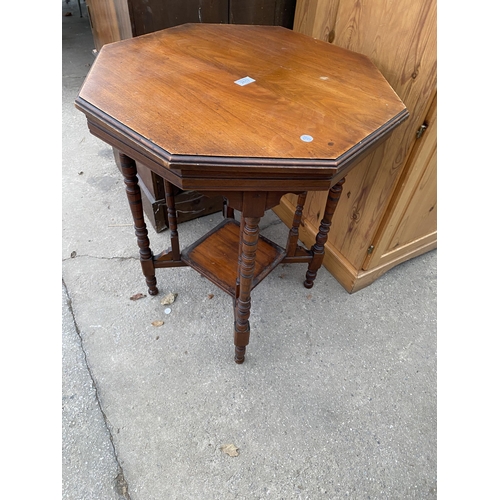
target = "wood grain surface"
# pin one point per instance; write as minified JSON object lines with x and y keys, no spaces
{"x":400,"y":38}
{"x":176,"y":88}
{"x":216,"y":256}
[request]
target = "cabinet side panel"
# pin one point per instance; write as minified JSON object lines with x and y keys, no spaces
{"x":123,"y":17}
{"x":316,"y":18}
{"x":103,"y":22}
{"x":400,"y":38}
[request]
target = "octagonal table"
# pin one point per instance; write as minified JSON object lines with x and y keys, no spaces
{"x":247,"y":112}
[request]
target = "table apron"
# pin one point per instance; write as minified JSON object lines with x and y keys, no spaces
{"x":263,"y":178}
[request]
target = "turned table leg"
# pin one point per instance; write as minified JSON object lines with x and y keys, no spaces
{"x":129,"y":171}
{"x":318,"y":249}
{"x":248,"y":249}
{"x":293,"y":235}
{"x":172,"y":220}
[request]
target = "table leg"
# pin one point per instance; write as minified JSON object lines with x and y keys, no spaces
{"x":227,"y":211}
{"x":129,"y":171}
{"x":248,"y":249}
{"x":172,"y":220}
{"x":293,"y":235}
{"x":318,"y":249}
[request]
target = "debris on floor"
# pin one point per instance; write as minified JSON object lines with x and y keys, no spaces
{"x":168,"y":299}
{"x":230,"y":450}
{"x":137,"y":296}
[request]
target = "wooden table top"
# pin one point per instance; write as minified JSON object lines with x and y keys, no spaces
{"x":237,"y":95}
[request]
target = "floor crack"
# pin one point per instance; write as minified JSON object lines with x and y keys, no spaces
{"x":100,"y":258}
{"x":275,"y":222}
{"x":121,"y":485}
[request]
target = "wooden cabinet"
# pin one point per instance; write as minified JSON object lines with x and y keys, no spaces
{"x":387,"y":213}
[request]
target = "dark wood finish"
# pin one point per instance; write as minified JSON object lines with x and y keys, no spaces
{"x":189,"y":204}
{"x":318,"y":249}
{"x":262,"y":12}
{"x":203,"y":131}
{"x":193,"y":204}
{"x":172,"y":221}
{"x":249,"y":240}
{"x":227,"y":210}
{"x":215,"y":256}
{"x":225,"y":129}
{"x":115,"y":20}
{"x":129,"y":171}
{"x":293,"y":237}
{"x":161,"y":14}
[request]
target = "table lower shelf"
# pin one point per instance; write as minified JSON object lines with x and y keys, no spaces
{"x":215,"y":256}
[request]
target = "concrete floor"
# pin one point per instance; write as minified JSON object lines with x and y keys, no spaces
{"x":336,"y":399}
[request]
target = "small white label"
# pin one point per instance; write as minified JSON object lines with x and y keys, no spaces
{"x":306,"y":138}
{"x":244,"y":81}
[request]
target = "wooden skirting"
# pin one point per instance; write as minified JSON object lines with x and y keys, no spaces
{"x":365,"y":278}
{"x":340,"y":268}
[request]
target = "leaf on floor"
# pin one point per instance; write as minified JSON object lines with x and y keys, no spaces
{"x":137,"y":296}
{"x":230,"y":450}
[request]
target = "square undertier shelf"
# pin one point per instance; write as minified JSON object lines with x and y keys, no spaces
{"x":215,"y":256}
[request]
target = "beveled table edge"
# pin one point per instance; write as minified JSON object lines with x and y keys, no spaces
{"x":187,"y":162}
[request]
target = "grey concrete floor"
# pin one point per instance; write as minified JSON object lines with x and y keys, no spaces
{"x":336,"y":399}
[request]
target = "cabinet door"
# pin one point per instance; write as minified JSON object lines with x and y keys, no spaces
{"x":411,"y":219}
